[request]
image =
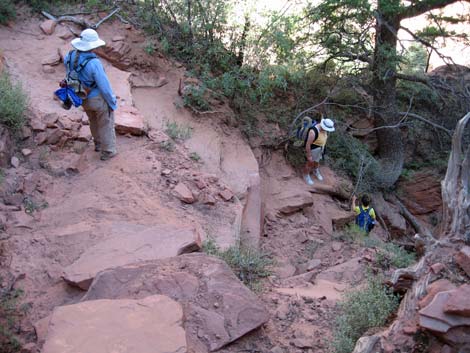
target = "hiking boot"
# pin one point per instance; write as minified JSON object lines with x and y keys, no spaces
{"x":308,"y":179}
{"x":318,"y":175}
{"x":97,"y":147}
{"x":105,"y":155}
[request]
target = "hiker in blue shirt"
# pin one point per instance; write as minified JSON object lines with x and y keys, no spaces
{"x":99,"y":101}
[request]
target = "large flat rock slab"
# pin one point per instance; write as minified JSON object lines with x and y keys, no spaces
{"x":128,"y":120}
{"x":218,"y":308}
{"x":150,"y":325}
{"x":126,"y":246}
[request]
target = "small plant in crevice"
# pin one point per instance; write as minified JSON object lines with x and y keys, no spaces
{"x":31,"y":205}
{"x":248,"y":264}
{"x":360,"y":311}
{"x":168,"y":145}
{"x":195,"y":156}
{"x":178,"y":132}
{"x":149,"y":48}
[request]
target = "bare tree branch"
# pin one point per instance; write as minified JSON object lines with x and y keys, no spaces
{"x":421,"y":7}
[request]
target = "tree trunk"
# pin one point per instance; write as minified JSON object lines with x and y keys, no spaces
{"x":391,"y":149}
{"x":456,"y":188}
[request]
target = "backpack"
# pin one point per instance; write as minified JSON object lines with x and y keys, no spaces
{"x":72,"y":80}
{"x":301,"y":134}
{"x":364,"y":220}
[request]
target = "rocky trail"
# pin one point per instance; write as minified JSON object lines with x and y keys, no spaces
{"x":109,"y":254}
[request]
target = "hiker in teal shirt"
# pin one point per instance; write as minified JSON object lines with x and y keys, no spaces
{"x":100,"y":101}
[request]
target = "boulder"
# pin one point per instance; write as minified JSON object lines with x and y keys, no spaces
{"x":440,"y":285}
{"x":64,"y":33}
{"x":128,"y":120}
{"x":434,"y":318}
{"x":48,"y":26}
{"x":6,"y":147}
{"x":183,"y":193}
{"x":149,"y":325}
{"x":218,"y":308}
{"x":459,"y":302}
{"x":313,"y":264}
{"x":462,"y":258}
{"x":226,"y":194}
{"x":117,"y":54}
{"x":350,"y":272}
{"x":293,"y":201}
{"x":15,"y":162}
{"x":391,"y":215}
{"x":341,"y":221}
{"x":52,"y":60}
{"x":125,"y":247}
{"x":423,"y":193}
{"x":37,"y":124}
{"x":84,"y":134}
{"x":50,"y":120}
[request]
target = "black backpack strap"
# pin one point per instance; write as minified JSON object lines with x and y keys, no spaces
{"x":315,"y":131}
{"x":84,"y":63}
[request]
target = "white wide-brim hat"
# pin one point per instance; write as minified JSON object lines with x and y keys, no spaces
{"x":327,"y":125}
{"x":88,"y":40}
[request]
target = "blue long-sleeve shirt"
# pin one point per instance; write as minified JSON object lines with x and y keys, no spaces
{"x":93,"y":72}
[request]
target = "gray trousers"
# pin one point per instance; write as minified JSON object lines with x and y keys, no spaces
{"x":101,"y":119}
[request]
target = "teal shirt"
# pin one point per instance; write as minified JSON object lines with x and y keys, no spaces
{"x":94,"y":72}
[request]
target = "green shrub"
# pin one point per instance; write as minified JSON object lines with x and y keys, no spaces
{"x":194,"y":97}
{"x":7,"y":11}
{"x":178,"y":132}
{"x":13,"y":103}
{"x":389,"y":254}
{"x":248,"y":264}
{"x":360,"y":311}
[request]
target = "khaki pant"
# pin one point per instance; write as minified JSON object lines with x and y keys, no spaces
{"x":101,"y":119}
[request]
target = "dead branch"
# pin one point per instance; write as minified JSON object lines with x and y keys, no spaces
{"x":455,"y":187}
{"x":81,"y":22}
{"x":417,"y":226}
{"x":116,"y":10}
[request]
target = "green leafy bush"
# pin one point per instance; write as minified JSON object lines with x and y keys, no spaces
{"x":7,"y":11}
{"x":360,"y":311}
{"x":194,"y":96}
{"x":248,"y":264}
{"x":12,"y":104}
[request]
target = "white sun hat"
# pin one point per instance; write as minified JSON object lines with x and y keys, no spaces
{"x":88,"y":40}
{"x":327,"y":125}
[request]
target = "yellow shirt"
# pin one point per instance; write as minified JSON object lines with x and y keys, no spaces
{"x":322,"y":137}
{"x":371,"y":213}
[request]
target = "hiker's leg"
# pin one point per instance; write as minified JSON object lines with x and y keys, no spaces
{"x":91,"y":107}
{"x":106,"y":128}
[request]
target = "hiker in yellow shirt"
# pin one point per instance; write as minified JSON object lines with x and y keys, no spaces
{"x":314,"y":147}
{"x":365,"y":214}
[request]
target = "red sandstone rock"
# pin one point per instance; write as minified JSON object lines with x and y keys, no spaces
{"x":218,"y":308}
{"x":150,"y":325}
{"x":125,"y":247}
{"x":459,"y":302}
{"x":183,"y":193}
{"x":462,"y":258}
{"x":48,"y":26}
{"x":128,"y":120}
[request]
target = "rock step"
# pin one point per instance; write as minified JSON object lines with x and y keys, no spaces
{"x":125,"y":247}
{"x":218,"y":308}
{"x":150,"y":325}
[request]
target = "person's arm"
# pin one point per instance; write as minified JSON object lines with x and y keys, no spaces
{"x":372,"y":214}
{"x":102,"y":82}
{"x":308,"y":145}
{"x":353,"y":203}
